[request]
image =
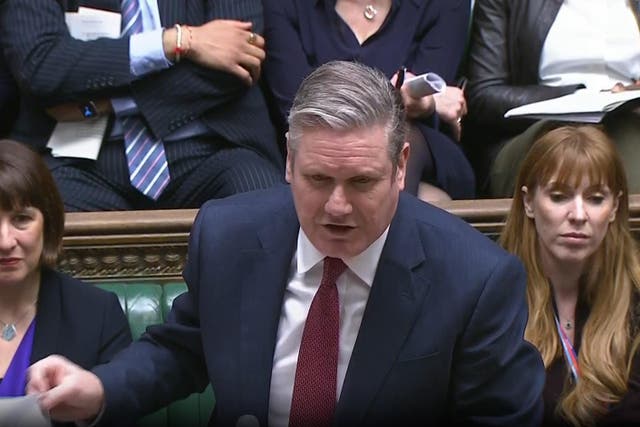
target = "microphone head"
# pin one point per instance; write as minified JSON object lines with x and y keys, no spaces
{"x":247,"y":420}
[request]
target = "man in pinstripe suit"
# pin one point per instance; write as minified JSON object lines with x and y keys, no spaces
{"x":204,"y":107}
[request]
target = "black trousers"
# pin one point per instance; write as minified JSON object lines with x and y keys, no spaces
{"x":201,"y":168}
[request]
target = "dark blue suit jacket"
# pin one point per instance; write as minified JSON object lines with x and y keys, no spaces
{"x":441,"y":340}
{"x":53,"y":68}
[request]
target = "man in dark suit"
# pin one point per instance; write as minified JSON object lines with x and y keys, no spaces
{"x":191,"y":88}
{"x":337,"y":300}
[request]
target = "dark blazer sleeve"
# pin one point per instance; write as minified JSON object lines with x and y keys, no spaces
{"x":116,"y":333}
{"x":493,"y":89}
{"x":492,"y":382}
{"x":172,"y":353}
{"x":79,"y":321}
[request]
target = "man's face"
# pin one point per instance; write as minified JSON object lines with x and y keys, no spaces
{"x":344,"y":187}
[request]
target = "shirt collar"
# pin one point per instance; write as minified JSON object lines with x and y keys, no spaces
{"x":364,"y":264}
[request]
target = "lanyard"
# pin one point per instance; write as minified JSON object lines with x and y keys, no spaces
{"x":569,"y":352}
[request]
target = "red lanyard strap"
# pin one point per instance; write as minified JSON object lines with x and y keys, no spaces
{"x":569,"y":352}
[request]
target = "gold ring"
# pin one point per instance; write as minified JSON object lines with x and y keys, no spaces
{"x":252,"y":38}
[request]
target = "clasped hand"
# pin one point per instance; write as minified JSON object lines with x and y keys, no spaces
{"x":229,"y":46}
{"x":450,"y":105}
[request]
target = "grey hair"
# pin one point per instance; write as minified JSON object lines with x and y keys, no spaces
{"x":344,"y":95}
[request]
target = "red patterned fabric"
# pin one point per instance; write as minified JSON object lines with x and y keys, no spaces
{"x":314,"y":390}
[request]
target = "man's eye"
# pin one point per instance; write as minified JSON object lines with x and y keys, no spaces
{"x":361,"y":180}
{"x":318,"y":178}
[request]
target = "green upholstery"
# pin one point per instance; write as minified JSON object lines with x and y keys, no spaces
{"x":145,"y":304}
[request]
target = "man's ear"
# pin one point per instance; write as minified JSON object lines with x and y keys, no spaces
{"x":401,"y":170}
{"x":526,"y":201}
{"x":288,"y":174}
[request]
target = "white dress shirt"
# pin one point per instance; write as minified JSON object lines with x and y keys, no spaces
{"x":594,"y":42}
{"x":304,"y":280}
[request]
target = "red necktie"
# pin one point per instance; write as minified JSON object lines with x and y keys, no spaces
{"x":314,"y":390}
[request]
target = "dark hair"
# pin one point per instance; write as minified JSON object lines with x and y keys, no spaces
{"x":25,"y":181}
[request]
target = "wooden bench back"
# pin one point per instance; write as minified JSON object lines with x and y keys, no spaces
{"x":152,"y":245}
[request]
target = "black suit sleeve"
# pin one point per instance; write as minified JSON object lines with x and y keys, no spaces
{"x":116,"y":334}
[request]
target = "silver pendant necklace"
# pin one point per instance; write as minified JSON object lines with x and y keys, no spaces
{"x":369,"y":12}
{"x":568,"y":325}
{"x":10,"y":330}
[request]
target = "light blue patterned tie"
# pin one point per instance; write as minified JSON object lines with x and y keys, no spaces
{"x":148,"y":168}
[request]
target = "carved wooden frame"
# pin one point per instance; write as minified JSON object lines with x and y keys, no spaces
{"x":152,"y":245}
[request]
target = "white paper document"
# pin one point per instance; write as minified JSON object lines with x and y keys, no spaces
{"x":580,"y":106}
{"x":82,"y":139}
{"x":78,"y":139}
{"x":425,"y":84}
{"x":22,"y":412}
{"x":90,"y":24}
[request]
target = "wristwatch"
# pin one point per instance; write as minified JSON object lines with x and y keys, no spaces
{"x":88,"y":110}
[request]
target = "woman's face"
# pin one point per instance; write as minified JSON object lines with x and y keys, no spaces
{"x":571,"y":222}
{"x":21,"y":242}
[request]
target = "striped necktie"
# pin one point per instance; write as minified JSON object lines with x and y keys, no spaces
{"x":146,"y":158}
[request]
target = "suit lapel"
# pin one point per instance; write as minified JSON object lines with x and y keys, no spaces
{"x":263,"y":291}
{"x":48,"y":318}
{"x":393,"y":305}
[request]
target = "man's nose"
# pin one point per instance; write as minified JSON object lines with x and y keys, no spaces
{"x":338,"y":203}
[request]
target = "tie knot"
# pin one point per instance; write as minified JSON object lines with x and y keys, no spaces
{"x":333,"y":268}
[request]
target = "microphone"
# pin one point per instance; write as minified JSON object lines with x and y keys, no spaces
{"x":247,"y":420}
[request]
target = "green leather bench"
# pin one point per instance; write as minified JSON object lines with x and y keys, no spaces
{"x":147,"y":303}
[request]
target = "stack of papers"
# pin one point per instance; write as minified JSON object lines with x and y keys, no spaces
{"x":581,"y":106}
{"x":83,"y":139}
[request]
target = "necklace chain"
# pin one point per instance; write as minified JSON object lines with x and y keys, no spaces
{"x":10,"y":330}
